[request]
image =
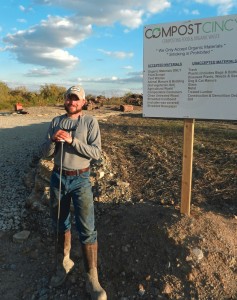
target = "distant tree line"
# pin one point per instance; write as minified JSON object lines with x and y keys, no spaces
{"x":49,"y":94}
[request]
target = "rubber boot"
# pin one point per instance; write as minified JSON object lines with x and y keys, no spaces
{"x":64,"y":263}
{"x":93,"y":286}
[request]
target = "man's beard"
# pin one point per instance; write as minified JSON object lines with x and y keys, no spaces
{"x":76,"y":111}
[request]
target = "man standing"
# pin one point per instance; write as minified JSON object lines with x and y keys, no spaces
{"x":80,"y":135}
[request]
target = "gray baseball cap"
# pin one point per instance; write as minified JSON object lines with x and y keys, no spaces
{"x":76,"y":90}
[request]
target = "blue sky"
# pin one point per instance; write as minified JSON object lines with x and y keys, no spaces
{"x":96,"y":43}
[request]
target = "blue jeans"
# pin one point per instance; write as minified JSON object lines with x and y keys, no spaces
{"x":78,"y":189}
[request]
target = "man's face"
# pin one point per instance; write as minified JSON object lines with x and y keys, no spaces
{"x":73,"y":105}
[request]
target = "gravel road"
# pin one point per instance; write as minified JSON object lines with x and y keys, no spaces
{"x":20,"y":137}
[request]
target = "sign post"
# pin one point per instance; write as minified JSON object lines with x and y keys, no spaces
{"x":187,"y":166}
{"x":190,"y":72}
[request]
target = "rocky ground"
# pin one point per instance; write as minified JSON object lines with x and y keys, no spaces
{"x":147,"y":249}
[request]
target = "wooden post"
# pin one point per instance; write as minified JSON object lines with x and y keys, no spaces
{"x":187,"y":166}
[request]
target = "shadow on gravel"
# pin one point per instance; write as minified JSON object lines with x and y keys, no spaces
{"x":21,"y":142}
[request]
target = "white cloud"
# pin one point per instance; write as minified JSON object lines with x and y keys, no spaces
{"x":21,"y":20}
{"x":131,"y":18}
{"x":155,"y":6}
{"x":129,"y":13}
{"x":223,"y":6}
{"x":195,"y":12}
{"x":192,"y":12}
{"x":25,"y":9}
{"x":133,"y":77}
{"x":40,"y":72}
{"x":127,"y":67}
{"x":22,"y":8}
{"x":42,"y":44}
{"x":117,"y":54}
{"x":58,"y":55}
{"x":52,"y":58}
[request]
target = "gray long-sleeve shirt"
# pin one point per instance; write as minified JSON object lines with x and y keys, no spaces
{"x":86,"y":143}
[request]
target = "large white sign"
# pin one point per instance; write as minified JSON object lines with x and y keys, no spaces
{"x":190,"y":69}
